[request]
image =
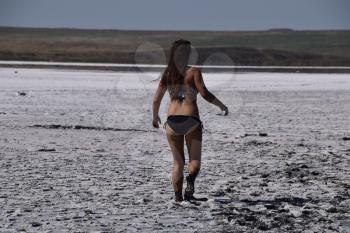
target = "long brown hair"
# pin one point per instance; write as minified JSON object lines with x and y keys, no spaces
{"x":173,"y":77}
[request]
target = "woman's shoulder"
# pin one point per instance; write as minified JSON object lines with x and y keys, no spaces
{"x":193,"y":69}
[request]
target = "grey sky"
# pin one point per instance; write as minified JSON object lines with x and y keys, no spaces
{"x":177,"y":15}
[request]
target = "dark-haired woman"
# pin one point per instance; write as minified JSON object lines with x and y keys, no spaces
{"x":183,"y":123}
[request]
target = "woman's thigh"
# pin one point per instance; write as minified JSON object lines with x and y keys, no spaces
{"x":194,"y":144}
{"x":176,"y":143}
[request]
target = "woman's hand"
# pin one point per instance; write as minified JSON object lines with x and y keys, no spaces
{"x":156,"y":121}
{"x":224,"y":109}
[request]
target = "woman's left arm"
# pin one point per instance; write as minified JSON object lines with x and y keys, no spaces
{"x":157,"y":99}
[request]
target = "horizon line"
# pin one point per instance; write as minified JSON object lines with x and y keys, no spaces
{"x":86,"y":64}
{"x":174,"y":30}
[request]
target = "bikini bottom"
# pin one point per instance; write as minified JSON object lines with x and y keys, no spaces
{"x":182,"y":124}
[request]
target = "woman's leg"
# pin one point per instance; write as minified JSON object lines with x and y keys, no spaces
{"x":176,"y":143}
{"x":194,"y":147}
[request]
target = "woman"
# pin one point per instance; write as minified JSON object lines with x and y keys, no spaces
{"x":183,"y":123}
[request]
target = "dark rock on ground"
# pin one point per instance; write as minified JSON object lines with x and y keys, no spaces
{"x":35,"y":224}
{"x":21,"y":93}
{"x":47,"y":150}
{"x":263,"y":134}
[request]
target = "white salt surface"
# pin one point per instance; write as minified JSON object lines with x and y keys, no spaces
{"x":113,"y":175}
{"x":67,"y":79}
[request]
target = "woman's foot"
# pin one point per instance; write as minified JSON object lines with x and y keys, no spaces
{"x":189,"y":189}
{"x":178,"y":197}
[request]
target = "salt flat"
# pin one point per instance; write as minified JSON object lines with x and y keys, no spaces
{"x":78,"y":154}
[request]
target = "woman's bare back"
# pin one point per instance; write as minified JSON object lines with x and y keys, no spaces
{"x":188,"y":106}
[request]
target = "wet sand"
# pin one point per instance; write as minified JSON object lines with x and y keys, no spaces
{"x":78,"y":154}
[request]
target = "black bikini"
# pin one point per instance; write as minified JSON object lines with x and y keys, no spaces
{"x":182,"y":124}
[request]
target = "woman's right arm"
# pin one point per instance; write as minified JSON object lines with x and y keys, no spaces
{"x":157,"y":99}
{"x":205,"y":93}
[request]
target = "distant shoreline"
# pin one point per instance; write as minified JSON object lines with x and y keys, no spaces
{"x":277,"y":48}
{"x":159,"y":67}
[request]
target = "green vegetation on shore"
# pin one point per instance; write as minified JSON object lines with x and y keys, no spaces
{"x":273,"y":47}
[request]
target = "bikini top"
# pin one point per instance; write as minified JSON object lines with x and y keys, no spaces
{"x":185,"y":91}
{"x":181,"y":94}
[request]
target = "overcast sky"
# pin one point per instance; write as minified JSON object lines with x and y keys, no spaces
{"x":177,"y":15}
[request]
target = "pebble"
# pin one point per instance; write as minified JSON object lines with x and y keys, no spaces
{"x":332,"y":210}
{"x":27,"y":210}
{"x":47,"y":189}
{"x":62,"y":218}
{"x":35,"y":224}
{"x":255,"y":193}
{"x":21,"y":93}
{"x":295,"y":213}
{"x":270,"y":206}
{"x":263,"y":134}
{"x":47,"y":150}
{"x":315,"y":173}
{"x":89,"y":212}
